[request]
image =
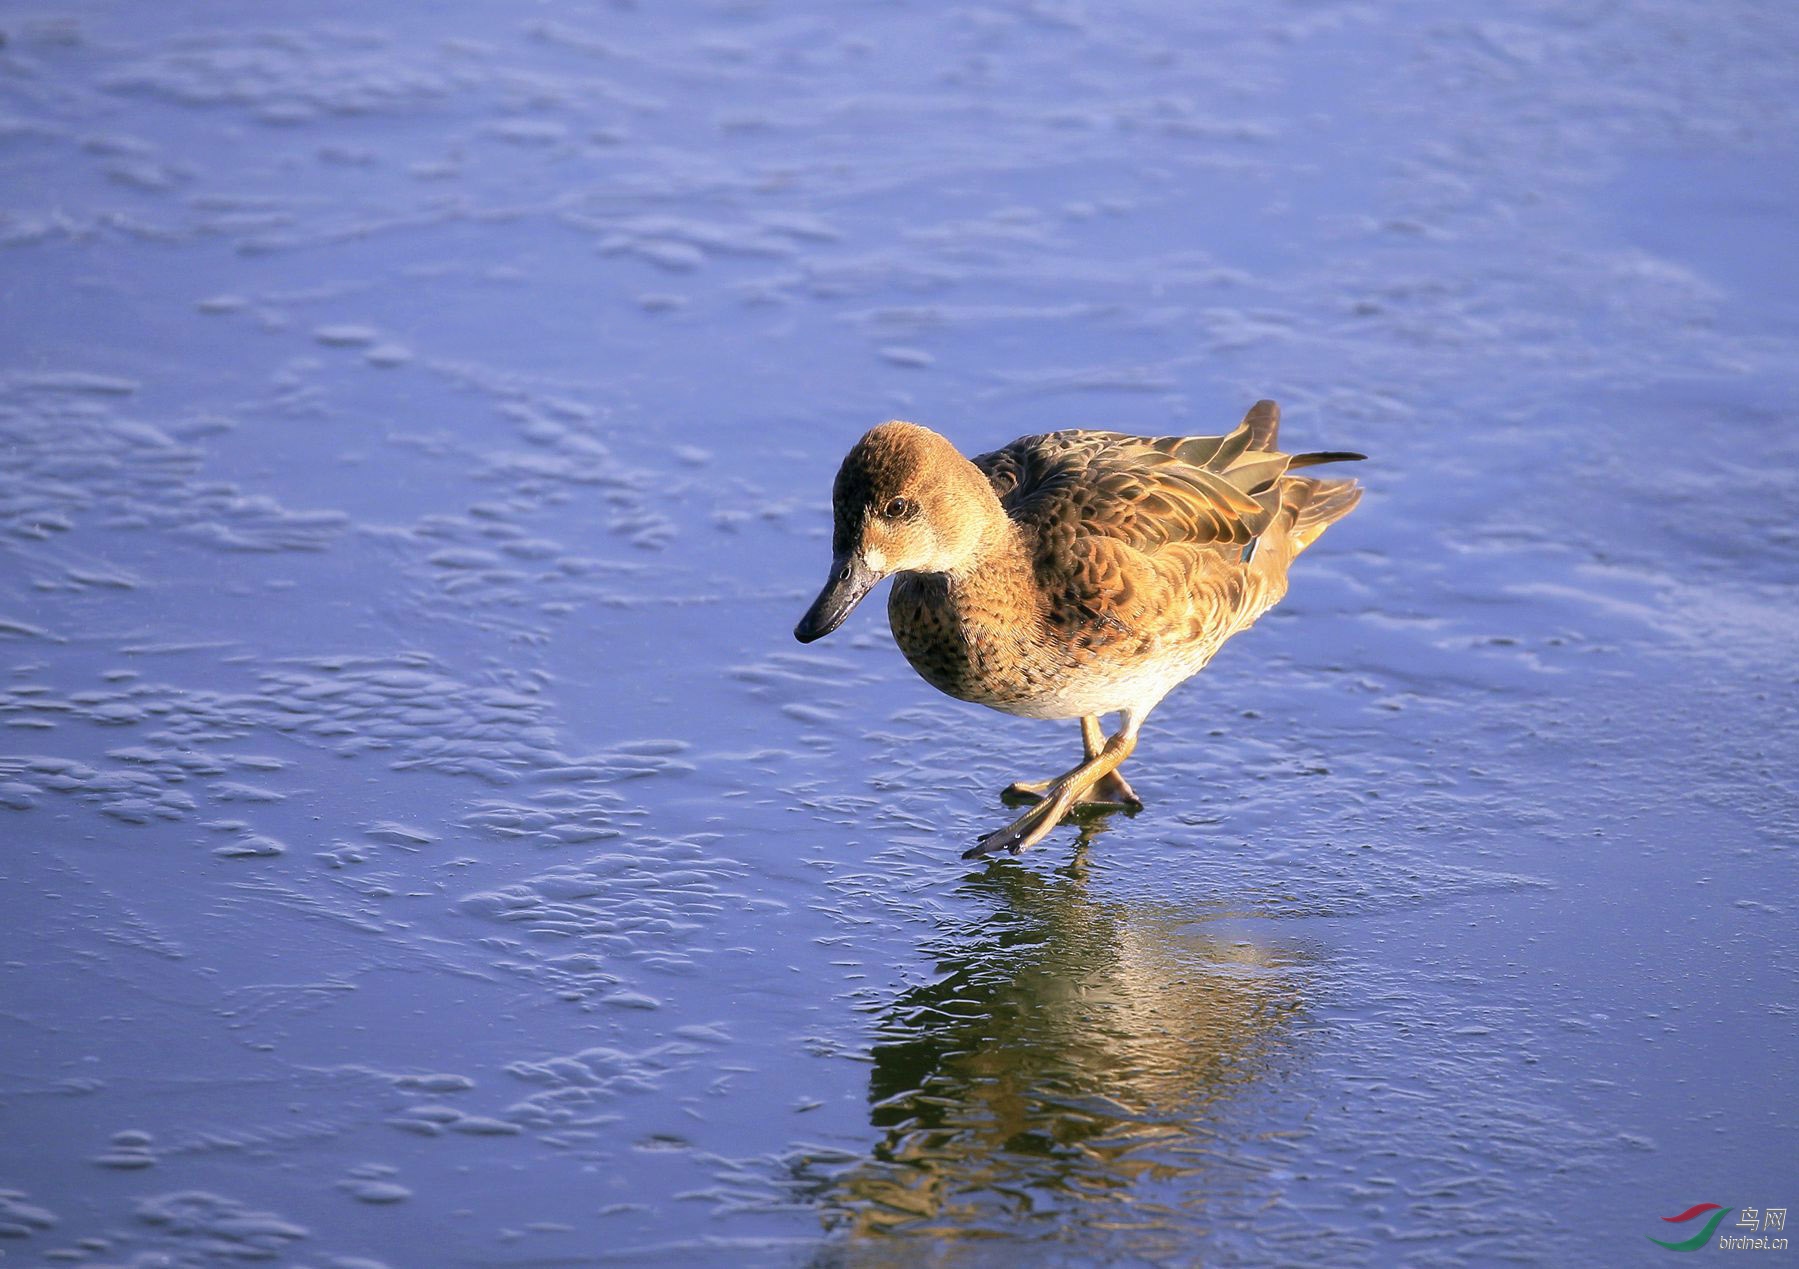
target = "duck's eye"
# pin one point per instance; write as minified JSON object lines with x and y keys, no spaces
{"x":897,"y":509}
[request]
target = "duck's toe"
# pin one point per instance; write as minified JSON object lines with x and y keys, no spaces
{"x":1111,"y":792}
{"x":1027,"y":830}
{"x":1113,"y":789}
{"x":1022,"y":792}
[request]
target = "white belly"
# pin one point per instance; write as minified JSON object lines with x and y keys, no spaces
{"x":1134,"y":690}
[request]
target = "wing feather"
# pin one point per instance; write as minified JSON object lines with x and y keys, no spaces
{"x":1130,"y":530}
{"x":1144,"y":491}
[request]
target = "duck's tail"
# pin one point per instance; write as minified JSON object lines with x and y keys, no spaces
{"x":1315,"y":505}
{"x":1264,"y":424}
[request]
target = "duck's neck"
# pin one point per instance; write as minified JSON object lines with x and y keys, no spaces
{"x":995,"y":578}
{"x":975,"y":628}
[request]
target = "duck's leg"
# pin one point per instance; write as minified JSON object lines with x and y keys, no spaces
{"x":1061,"y":796}
{"x":1110,"y":790}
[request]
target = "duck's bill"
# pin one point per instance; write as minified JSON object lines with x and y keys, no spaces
{"x":850,"y":581}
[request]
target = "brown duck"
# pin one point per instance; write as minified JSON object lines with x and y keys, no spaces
{"x":1073,"y":574}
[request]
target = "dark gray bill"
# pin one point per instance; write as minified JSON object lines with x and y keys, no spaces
{"x":850,"y":581}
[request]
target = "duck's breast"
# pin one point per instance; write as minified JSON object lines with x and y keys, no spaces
{"x":985,"y":652}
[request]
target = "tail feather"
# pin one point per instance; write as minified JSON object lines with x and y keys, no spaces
{"x":1325,"y":456}
{"x":1264,"y":424}
{"x":1316,"y":505}
{"x":1310,"y":505}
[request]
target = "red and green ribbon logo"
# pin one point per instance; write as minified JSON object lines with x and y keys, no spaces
{"x":1704,"y":1236}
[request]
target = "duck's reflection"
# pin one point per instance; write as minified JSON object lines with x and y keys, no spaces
{"x":1068,"y":1057}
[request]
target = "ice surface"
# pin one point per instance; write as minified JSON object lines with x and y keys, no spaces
{"x":425,"y":844}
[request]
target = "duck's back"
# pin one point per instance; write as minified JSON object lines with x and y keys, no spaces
{"x":1142,"y":556}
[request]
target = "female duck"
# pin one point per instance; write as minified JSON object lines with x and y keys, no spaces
{"x":1073,"y":574}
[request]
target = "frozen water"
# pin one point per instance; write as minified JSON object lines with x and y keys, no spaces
{"x":423,"y":842}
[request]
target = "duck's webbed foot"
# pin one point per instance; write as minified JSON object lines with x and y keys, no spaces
{"x":1111,"y":792}
{"x":1058,"y":799}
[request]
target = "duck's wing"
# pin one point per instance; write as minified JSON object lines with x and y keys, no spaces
{"x":1150,"y":491}
{"x":1141,"y":490}
{"x":1140,"y":539}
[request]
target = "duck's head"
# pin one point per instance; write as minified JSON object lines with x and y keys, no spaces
{"x":905,"y":502}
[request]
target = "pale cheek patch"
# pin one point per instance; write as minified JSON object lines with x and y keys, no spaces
{"x":874,"y":560}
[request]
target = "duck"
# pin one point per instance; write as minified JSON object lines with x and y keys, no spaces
{"x":1071,"y":575}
